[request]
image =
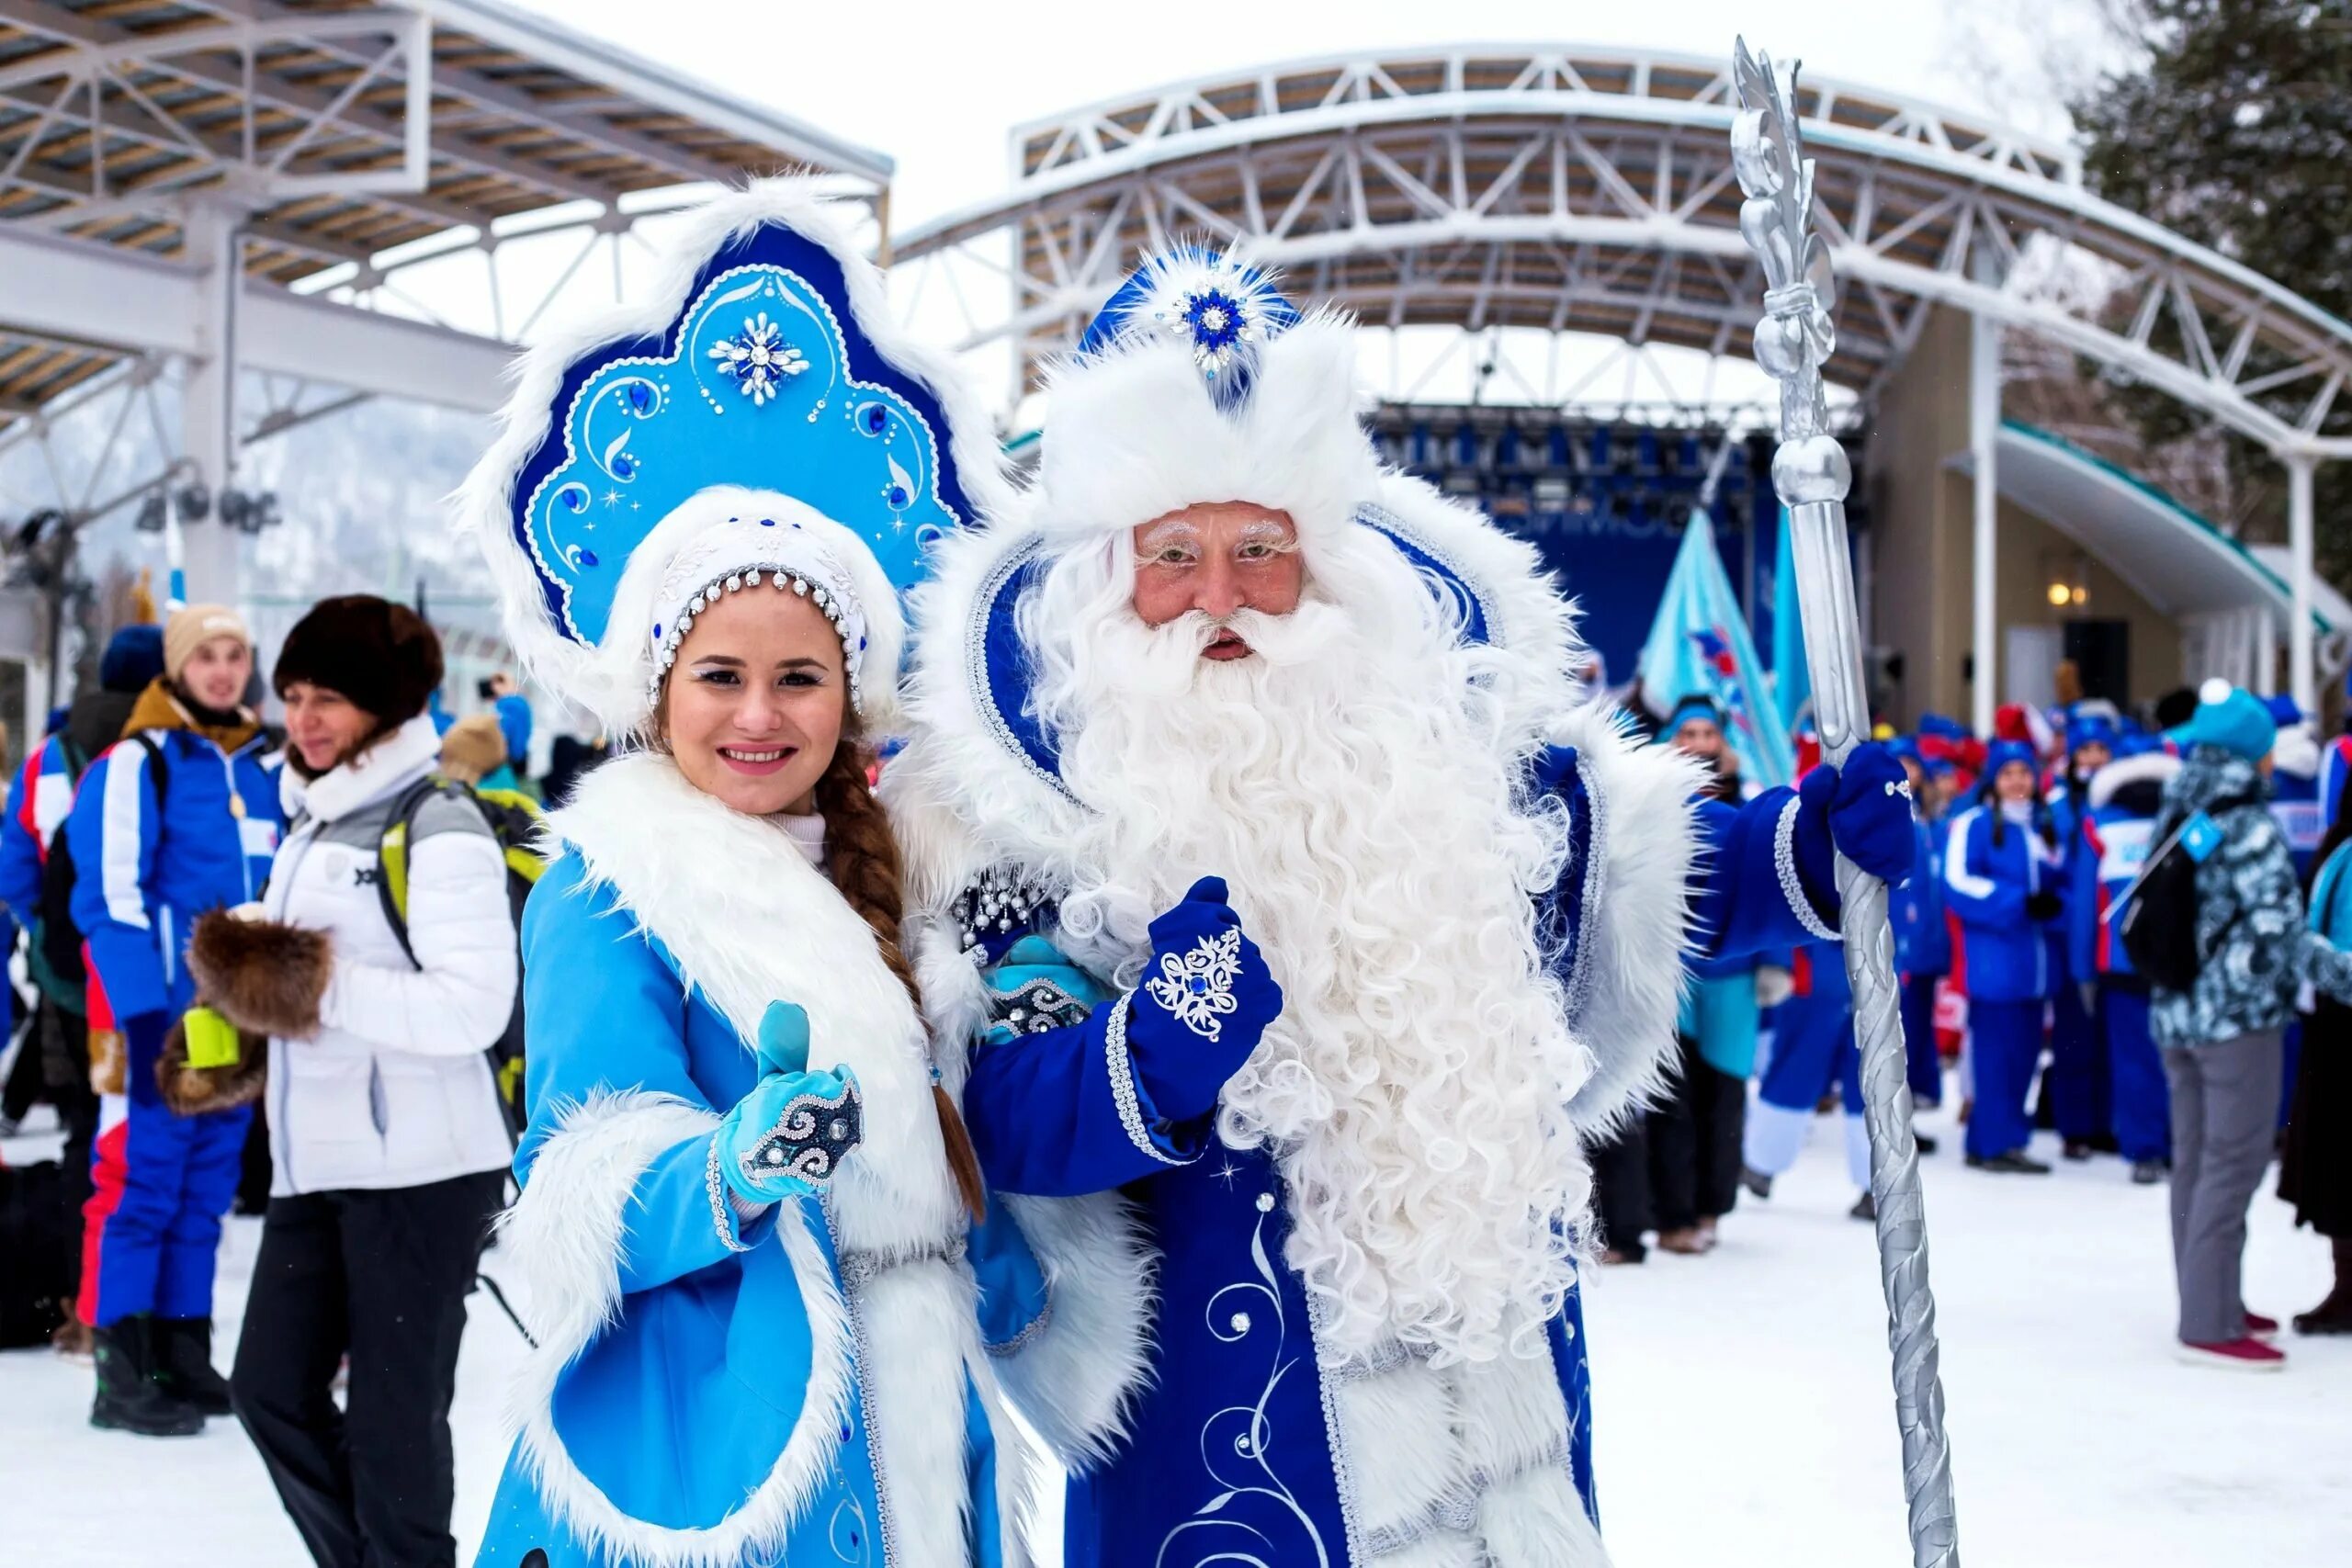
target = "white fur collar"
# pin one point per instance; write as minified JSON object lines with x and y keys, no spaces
{"x":391,"y":764}
{"x":749,"y":922}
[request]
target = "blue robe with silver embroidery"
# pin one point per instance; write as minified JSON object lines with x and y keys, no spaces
{"x":1235,"y":1451}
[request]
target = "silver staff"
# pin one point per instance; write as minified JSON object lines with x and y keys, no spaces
{"x":1811,"y":473}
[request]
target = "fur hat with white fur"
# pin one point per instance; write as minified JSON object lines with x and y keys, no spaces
{"x":1198,"y":381}
{"x":755,"y":421}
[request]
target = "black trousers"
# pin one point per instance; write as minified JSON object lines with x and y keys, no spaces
{"x":1694,"y":1145}
{"x":384,"y":1278}
{"x":1620,"y":1188}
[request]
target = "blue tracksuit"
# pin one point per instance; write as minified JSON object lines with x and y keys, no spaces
{"x":2011,"y":962}
{"x":1922,"y":957}
{"x":2075,"y":1086}
{"x":147,"y":859}
{"x":2116,"y":841}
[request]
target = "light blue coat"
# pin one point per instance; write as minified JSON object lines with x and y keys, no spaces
{"x":706,"y":1386}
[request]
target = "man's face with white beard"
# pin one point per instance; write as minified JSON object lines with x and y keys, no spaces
{"x":1217,"y":558}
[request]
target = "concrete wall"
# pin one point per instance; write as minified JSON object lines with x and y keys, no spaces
{"x":1923,"y":558}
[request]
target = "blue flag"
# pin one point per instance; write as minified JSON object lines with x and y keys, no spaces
{"x":1791,"y":678}
{"x":1699,"y":646}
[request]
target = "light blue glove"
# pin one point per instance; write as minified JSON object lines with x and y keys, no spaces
{"x":787,"y":1136}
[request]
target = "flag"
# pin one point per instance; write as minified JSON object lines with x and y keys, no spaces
{"x":1792,"y":680}
{"x":1699,"y":646}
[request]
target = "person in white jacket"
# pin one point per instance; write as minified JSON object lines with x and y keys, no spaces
{"x":390,"y":1145}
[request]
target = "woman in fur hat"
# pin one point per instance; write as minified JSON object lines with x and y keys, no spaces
{"x":746,"y":1213}
{"x":388,"y":1144}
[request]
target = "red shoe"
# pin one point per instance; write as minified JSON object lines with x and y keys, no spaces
{"x":2246,"y":1355}
{"x":2261,"y":1328}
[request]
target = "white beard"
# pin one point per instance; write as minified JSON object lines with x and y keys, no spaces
{"x":1355,"y":786}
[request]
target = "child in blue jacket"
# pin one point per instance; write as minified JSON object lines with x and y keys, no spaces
{"x":2004,"y":873}
{"x":1922,"y":937}
{"x":178,"y":817}
{"x":2119,"y":822}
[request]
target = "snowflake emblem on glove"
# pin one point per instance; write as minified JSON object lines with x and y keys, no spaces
{"x":759,"y":358}
{"x":1196,"y":987}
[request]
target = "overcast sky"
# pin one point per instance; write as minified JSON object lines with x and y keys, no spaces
{"x":937,"y":86}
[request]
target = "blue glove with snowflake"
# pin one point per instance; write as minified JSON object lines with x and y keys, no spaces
{"x":1862,"y":810}
{"x":1206,"y":999}
{"x":787,"y":1136}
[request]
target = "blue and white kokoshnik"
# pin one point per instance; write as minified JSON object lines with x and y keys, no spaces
{"x":767,"y":365}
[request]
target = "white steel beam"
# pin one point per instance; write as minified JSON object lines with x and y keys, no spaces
{"x":139,"y":305}
{"x":2302,"y":672}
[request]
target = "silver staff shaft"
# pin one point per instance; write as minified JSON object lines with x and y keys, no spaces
{"x":1810,"y":472}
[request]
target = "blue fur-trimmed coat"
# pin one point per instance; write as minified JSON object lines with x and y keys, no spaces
{"x":1197,"y":1421}
{"x":802,"y":1388}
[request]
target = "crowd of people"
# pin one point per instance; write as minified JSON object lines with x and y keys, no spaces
{"x":2019,"y":988}
{"x":275,"y":965}
{"x":1148,"y":1050}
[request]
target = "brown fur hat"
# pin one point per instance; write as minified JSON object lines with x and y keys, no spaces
{"x":260,"y":974}
{"x":191,"y":1091}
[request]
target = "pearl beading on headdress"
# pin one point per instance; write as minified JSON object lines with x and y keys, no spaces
{"x":834,"y":603}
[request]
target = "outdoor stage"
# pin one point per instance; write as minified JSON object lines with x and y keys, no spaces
{"x":1741,"y":1400}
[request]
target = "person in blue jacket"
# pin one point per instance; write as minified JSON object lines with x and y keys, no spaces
{"x":179,"y":817}
{"x":2075,"y":1084}
{"x":2117,"y":824}
{"x":1922,"y":937}
{"x":747,"y":1220}
{"x":2004,"y":872}
{"x":1217,"y":660}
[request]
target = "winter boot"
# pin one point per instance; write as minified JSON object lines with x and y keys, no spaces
{"x":184,"y":1363}
{"x":129,"y":1398}
{"x":2148,"y":1172}
{"x":1865,"y":1208}
{"x":1755,"y":1181}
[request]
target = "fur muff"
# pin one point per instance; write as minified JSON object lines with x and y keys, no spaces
{"x":261,"y":976}
{"x":192,"y":1091}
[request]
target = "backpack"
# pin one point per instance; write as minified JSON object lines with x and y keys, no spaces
{"x":2157,"y":917}
{"x":513,"y":819}
{"x":55,"y":955}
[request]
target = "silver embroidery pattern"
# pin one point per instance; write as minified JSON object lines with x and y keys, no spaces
{"x":1596,"y":866}
{"x":810,"y":1137}
{"x":975,"y":665}
{"x":715,"y":1182}
{"x":1244,"y":1432}
{"x":1196,"y":987}
{"x":1123,"y":1084}
{"x":1784,"y":859}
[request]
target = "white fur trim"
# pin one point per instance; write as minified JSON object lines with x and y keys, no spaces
{"x":566,"y":1234}
{"x":1636,"y":923}
{"x":1512,"y":1414}
{"x":1132,"y":434}
{"x":2148,"y":766}
{"x":1396,"y":1428}
{"x":598,"y":678}
{"x":912,"y":1361}
{"x":1536,"y":1520}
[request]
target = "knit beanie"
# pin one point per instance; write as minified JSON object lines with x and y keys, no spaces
{"x":2233,"y":718}
{"x":379,"y":655}
{"x":192,"y":627}
{"x":134,"y":657}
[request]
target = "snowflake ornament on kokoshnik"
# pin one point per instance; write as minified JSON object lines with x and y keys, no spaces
{"x":758,"y":359}
{"x":1196,"y":987}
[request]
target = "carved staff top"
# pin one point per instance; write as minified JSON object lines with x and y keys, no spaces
{"x":1796,"y":337}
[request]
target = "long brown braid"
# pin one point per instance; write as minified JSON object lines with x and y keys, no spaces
{"x":862,"y":857}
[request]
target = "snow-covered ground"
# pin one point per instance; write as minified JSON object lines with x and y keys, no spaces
{"x":1742,"y":1404}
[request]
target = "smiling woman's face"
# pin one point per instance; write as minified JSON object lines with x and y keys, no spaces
{"x":755,"y":706}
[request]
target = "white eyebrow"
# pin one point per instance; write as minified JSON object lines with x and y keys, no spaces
{"x":1172,"y":531}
